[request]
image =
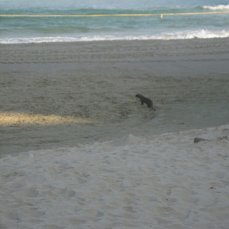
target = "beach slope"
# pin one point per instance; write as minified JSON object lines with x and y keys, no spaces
{"x":163,"y":182}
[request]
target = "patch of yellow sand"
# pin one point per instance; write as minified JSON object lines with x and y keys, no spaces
{"x":11,"y":118}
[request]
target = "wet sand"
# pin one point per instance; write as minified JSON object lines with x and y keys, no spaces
{"x":188,"y":81}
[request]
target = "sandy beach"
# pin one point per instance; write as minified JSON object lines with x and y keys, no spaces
{"x":97,"y":82}
{"x":165,"y":182}
{"x":78,"y":150}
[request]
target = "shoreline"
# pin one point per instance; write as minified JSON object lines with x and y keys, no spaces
{"x":186,"y":79}
{"x":201,"y":34}
{"x":192,"y":40}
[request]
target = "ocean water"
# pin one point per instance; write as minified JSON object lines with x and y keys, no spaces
{"x":24,"y":21}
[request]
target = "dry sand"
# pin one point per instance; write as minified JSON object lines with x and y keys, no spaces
{"x":164,"y":182}
{"x":188,"y":81}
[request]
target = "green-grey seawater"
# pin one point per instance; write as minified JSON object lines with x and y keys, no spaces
{"x":37,"y":24}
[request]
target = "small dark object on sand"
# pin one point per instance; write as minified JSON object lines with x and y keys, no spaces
{"x":197,"y":140}
{"x":145,"y":100}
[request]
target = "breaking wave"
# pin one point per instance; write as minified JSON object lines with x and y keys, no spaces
{"x":218,"y":7}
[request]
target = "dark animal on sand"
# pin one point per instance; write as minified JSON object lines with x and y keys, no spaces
{"x":145,"y":100}
{"x":197,"y":140}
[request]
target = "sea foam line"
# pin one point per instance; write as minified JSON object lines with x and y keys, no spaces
{"x":182,"y":35}
{"x":218,"y":7}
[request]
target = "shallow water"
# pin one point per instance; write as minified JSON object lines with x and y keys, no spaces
{"x":95,"y":20}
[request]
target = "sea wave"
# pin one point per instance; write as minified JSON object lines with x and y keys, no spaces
{"x":201,"y":34}
{"x":218,"y":7}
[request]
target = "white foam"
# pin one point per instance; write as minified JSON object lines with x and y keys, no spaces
{"x":163,"y":182}
{"x":218,"y":7}
{"x":201,"y":34}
